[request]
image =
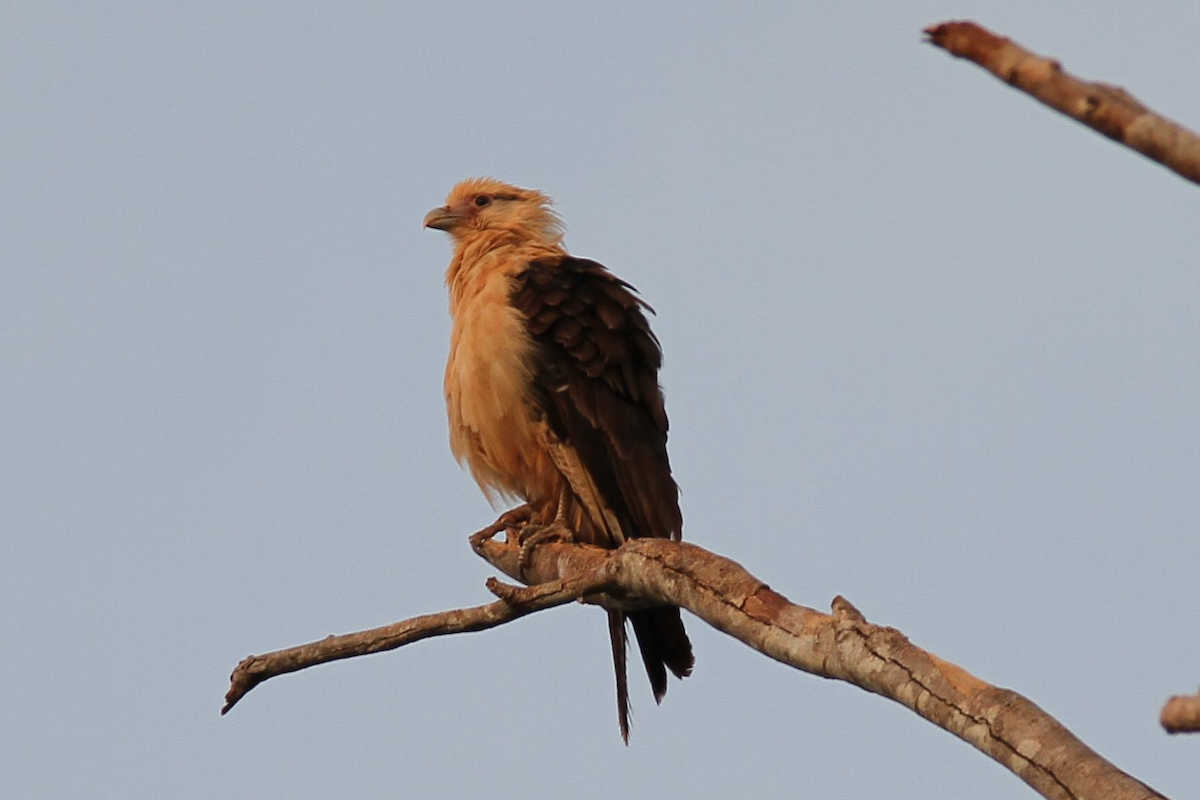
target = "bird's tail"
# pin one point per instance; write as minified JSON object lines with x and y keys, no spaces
{"x":664,"y":645}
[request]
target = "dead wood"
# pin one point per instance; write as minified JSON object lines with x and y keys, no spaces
{"x":841,"y":645}
{"x":1108,"y":109}
{"x":1181,"y":714}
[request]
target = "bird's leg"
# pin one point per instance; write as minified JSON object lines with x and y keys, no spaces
{"x":531,"y":535}
{"x":513,"y":518}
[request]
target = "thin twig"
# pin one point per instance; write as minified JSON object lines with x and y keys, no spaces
{"x":1108,"y":109}
{"x":514,"y":602}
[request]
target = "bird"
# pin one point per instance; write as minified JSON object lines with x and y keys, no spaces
{"x":553,"y":397}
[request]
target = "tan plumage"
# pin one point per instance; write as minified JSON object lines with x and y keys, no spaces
{"x":552,"y":392}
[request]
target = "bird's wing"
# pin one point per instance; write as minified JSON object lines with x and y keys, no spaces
{"x":595,"y":379}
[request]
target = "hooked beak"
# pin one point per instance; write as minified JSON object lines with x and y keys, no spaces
{"x":442,"y":218}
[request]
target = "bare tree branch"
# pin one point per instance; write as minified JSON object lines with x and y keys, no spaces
{"x":842,"y":645}
{"x":1108,"y":109}
{"x":514,"y":603}
{"x":1181,"y":714}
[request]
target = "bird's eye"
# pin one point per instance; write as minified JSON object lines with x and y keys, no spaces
{"x":483,"y":200}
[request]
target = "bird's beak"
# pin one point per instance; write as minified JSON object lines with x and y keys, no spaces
{"x":442,"y":218}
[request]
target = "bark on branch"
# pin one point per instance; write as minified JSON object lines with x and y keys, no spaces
{"x":1181,"y":714}
{"x":1108,"y":109}
{"x":842,"y":645}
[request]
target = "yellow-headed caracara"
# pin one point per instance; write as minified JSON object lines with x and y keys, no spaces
{"x":552,"y":394}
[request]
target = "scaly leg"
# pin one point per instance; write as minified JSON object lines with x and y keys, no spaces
{"x":533,"y":535}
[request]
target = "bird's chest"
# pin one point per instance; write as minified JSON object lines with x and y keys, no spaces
{"x":487,"y":385}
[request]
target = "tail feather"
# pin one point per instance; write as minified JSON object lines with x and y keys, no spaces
{"x":664,"y":645}
{"x":616,"y":633}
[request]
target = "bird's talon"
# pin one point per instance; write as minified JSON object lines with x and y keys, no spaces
{"x":513,"y":518}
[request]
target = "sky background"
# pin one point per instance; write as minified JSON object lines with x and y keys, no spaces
{"x":928,"y":345}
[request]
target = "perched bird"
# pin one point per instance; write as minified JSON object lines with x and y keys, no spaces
{"x":553,"y":397}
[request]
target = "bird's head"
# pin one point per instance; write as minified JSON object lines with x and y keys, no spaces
{"x":479,"y":205}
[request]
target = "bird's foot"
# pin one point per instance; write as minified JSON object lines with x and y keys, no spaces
{"x":532,"y":535}
{"x":513,"y":518}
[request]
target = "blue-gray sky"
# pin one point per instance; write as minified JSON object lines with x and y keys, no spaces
{"x":929,"y":346}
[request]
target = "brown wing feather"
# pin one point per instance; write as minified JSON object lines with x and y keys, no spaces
{"x":596,"y":384}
